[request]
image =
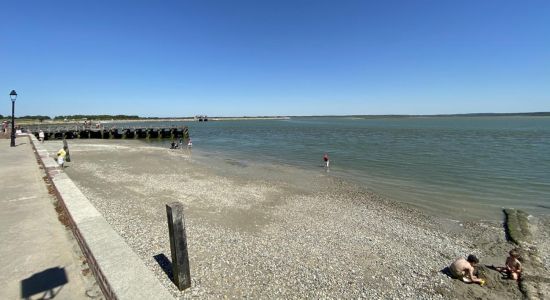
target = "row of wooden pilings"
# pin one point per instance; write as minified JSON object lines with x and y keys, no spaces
{"x":114,"y":133}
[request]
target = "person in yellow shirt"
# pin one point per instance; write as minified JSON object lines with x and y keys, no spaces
{"x":61,"y":157}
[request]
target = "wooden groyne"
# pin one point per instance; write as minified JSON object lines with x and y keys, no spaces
{"x":104,"y":132}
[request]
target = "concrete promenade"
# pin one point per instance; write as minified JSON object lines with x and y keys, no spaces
{"x":38,"y":255}
{"x":118,"y":271}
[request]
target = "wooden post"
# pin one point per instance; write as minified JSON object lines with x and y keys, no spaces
{"x":178,"y":245}
{"x":185,"y":133}
{"x":66,"y":148}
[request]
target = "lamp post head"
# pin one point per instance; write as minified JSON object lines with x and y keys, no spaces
{"x":13,"y":95}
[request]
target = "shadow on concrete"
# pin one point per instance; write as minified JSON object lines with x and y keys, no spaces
{"x":19,"y":144}
{"x":165,"y":265}
{"x":45,"y":282}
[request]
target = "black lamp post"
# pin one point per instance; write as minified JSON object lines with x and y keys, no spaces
{"x":13,"y":96}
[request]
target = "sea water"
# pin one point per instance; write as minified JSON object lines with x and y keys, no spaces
{"x":458,"y":167}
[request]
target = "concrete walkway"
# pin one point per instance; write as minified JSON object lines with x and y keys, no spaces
{"x":37,"y":254}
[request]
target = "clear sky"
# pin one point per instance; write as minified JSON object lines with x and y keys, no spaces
{"x":296,"y":57}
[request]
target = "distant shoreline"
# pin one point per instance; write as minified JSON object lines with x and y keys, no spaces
{"x":184,"y":119}
{"x":527,"y":114}
{"x":195,"y":120}
{"x":243,"y":118}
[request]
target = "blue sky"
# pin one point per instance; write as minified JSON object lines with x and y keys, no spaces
{"x":236,"y":58}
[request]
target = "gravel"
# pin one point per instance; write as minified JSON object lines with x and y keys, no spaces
{"x":264,"y":231}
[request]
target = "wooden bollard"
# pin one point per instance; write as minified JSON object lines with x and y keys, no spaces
{"x":66,"y":148}
{"x":178,"y":245}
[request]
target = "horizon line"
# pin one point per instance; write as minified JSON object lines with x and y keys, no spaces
{"x":539,"y":113}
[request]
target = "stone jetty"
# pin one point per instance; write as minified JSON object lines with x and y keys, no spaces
{"x":105,"y":132}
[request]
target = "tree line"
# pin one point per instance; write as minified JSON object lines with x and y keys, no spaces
{"x":96,"y":117}
{"x":75,"y":117}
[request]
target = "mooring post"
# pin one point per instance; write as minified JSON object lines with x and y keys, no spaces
{"x":66,"y":148}
{"x":178,"y":245}
{"x":185,"y":133}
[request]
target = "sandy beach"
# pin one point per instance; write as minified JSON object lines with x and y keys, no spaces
{"x":275,"y":231}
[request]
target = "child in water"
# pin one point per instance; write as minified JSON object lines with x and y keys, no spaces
{"x":327,"y":161}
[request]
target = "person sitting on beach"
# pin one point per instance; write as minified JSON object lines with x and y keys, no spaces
{"x":513,"y":265}
{"x":173,"y":145}
{"x":326,"y":160}
{"x":463,"y":269}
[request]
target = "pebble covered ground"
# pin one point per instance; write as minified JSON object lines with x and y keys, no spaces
{"x":264,"y":231}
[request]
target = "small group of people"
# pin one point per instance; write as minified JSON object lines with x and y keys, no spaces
{"x":179,"y":145}
{"x":174,"y":145}
{"x":464,"y":268}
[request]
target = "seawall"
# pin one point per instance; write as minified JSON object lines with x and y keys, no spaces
{"x":120,"y":273}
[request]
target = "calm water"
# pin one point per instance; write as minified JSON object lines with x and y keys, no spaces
{"x":460,"y":167}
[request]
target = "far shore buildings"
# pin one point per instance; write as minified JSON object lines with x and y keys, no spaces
{"x":202,"y":118}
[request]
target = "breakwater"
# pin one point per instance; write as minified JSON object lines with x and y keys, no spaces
{"x":104,"y":132}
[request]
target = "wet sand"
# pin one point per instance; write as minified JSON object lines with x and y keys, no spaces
{"x":272,"y":231}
